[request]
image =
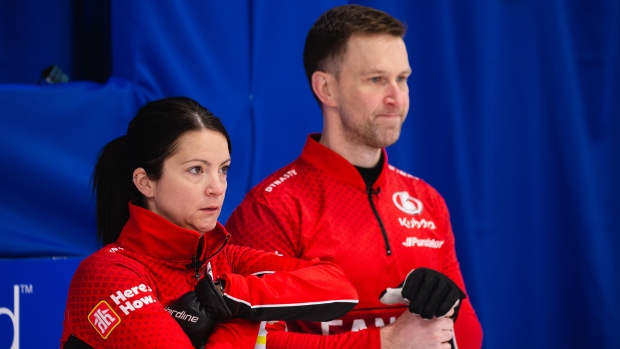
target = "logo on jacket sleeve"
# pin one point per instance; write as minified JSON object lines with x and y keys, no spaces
{"x":407,"y":203}
{"x":104,"y":319}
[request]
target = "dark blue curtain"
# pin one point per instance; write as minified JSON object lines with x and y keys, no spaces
{"x":514,"y":118}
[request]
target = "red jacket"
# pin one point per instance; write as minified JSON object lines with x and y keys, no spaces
{"x":319,"y":206}
{"x":118,"y":294}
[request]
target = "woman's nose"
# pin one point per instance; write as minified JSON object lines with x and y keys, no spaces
{"x":215,"y":187}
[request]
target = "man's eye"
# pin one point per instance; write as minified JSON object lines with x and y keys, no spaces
{"x":376,"y":79}
{"x":195,"y":170}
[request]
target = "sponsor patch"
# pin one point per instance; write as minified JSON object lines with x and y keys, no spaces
{"x":132,"y":298}
{"x":104,"y":319}
{"x":407,"y":203}
{"x":413,"y":223}
{"x":281,"y":180}
{"x":413,"y":241}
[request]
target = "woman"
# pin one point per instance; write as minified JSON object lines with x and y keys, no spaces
{"x":159,"y":191}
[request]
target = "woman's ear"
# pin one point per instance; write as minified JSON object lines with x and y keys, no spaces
{"x":323,"y":85}
{"x":142,"y":182}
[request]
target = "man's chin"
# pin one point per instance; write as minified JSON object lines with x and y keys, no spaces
{"x":387,"y":139}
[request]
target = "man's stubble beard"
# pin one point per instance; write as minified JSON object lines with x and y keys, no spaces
{"x":369,"y":132}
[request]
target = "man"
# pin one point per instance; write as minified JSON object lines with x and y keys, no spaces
{"x":341,"y":201}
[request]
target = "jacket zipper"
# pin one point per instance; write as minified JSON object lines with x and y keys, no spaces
{"x":370,"y":191}
{"x":197,"y":264}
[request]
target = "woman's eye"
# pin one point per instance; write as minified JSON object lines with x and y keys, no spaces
{"x":224,"y":170}
{"x":375,"y":79}
{"x":195,"y":170}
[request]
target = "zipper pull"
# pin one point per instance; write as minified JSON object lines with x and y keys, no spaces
{"x":370,"y":190}
{"x":196,"y":265}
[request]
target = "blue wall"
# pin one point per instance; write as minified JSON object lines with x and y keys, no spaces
{"x":515,"y":119}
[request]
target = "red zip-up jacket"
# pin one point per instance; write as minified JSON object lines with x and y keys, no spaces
{"x":319,"y":206}
{"x":118,"y":294}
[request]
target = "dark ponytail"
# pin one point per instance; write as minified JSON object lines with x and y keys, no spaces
{"x":112,"y":188}
{"x":151,"y":139}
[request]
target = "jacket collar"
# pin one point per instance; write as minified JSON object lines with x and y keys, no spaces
{"x":150,"y":234}
{"x":334,"y":165}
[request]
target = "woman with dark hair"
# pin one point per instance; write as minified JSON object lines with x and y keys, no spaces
{"x":166,"y":277}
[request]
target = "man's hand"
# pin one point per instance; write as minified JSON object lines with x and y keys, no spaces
{"x":193,"y":318}
{"x":429,"y":293}
{"x":410,"y":331}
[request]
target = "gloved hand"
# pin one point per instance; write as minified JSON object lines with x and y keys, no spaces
{"x":194,"y":319}
{"x":429,"y":293}
{"x":212,"y":299}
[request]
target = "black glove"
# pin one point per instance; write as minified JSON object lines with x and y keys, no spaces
{"x":194,"y":319}
{"x":212,"y":299}
{"x":428,"y":292}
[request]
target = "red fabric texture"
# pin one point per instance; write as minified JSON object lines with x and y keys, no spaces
{"x":318,"y":206}
{"x":118,"y":294}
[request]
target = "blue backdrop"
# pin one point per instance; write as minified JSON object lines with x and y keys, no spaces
{"x":515,"y":119}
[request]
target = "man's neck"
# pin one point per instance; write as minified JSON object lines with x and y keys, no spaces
{"x":359,"y":155}
{"x":371,"y":174}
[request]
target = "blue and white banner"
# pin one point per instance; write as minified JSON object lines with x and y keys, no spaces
{"x":33,"y":293}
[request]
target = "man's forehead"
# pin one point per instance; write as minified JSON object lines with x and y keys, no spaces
{"x":378,"y":54}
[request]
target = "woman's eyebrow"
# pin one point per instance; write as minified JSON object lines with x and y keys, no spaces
{"x":199,"y":160}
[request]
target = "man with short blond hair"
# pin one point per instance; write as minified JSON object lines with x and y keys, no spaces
{"x":341,"y":201}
